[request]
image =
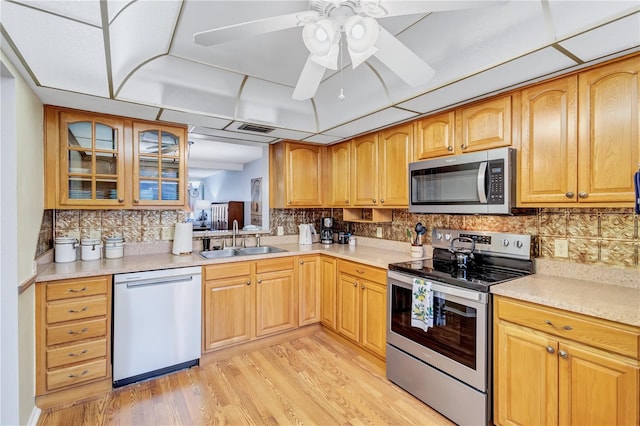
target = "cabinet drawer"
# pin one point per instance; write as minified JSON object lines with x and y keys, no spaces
{"x":81,"y":308}
{"x":362,"y":271}
{"x":76,"y":353}
{"x":76,"y":374}
{"x":227,"y":270}
{"x":275,"y":264}
{"x":590,"y":331}
{"x":77,"y":331}
{"x":66,"y":289}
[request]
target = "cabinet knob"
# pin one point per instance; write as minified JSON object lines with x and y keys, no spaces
{"x":259,"y":281}
{"x":121,"y":200}
{"x":463,"y":146}
{"x":374,"y":201}
{"x":346,"y":201}
{"x":355,"y":283}
{"x":449,"y":148}
{"x":289,"y":202}
{"x":362,"y":287}
{"x":563,"y":354}
{"x":302,"y":262}
{"x":583,"y":194}
{"x":136,"y":201}
{"x":569,"y":194}
{"x":382,"y":200}
{"x":249,"y":282}
{"x":550,"y":350}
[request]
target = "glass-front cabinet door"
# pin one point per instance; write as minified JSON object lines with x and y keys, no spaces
{"x":92,"y":172}
{"x":158,"y":168}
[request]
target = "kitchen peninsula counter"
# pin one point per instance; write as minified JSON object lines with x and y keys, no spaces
{"x":608,"y":293}
{"x":379,"y":254}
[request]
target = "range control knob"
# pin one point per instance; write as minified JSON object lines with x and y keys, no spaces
{"x":438,"y":236}
{"x":447,"y":237}
{"x":518,"y":244}
{"x":505,"y":242}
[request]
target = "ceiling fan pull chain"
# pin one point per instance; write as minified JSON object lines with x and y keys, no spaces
{"x":341,"y":96}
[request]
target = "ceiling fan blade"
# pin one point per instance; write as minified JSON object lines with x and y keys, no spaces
{"x":411,"y":7}
{"x":309,"y":80}
{"x":401,"y":60}
{"x":247,"y":29}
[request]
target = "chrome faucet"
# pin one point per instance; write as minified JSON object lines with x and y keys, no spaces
{"x":257,"y":240}
{"x":235,"y":233}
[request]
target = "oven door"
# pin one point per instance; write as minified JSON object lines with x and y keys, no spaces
{"x":457,"y":342}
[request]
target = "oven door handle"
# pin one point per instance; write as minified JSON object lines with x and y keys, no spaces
{"x":482,"y":178}
{"x":407,"y":282}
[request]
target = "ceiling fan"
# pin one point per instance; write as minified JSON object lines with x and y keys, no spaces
{"x":322,"y":29}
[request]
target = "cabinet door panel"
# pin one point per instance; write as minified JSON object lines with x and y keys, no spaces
{"x":364,"y":171}
{"x":227,"y":308}
{"x":522,"y":362}
{"x":276,"y":304}
{"x":304,"y":167}
{"x":435,"y":136}
{"x":486,"y":125}
{"x":394,"y":155}
{"x":348,"y":307}
{"x":374,"y":315}
{"x":548,"y":155}
{"x":340,"y":178}
{"x":609,"y":146}
{"x":597,"y":389}
{"x":329,"y":285}
{"x":309,"y":289}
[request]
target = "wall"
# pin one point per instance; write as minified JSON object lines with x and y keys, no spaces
{"x":29,"y":208}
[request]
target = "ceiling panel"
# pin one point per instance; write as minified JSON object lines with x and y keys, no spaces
{"x":86,"y":11}
{"x":615,"y":37}
{"x":323,"y":139}
{"x":232,"y":135}
{"x":125,"y":55}
{"x":62,"y":53}
{"x":569,"y":20}
{"x":162,"y":82}
{"x":271,"y":104}
{"x":374,"y":121}
{"x":528,"y":67}
{"x":193,"y":119}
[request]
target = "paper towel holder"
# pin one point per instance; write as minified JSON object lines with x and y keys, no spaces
{"x":183,"y":238}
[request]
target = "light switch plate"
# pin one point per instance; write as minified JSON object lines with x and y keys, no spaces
{"x":379,"y":232}
{"x":561,"y":248}
{"x":280,"y":231}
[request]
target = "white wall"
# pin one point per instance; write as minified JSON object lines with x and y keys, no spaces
{"x":236,"y":186}
{"x":25,"y":180}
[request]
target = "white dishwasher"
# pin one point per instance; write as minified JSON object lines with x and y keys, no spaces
{"x":156,"y":323}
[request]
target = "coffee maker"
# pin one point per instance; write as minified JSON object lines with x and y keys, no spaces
{"x":326,"y":231}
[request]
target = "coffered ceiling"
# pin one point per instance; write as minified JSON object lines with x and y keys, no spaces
{"x":139,"y":59}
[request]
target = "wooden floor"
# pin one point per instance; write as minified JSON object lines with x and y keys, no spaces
{"x":312,"y":380}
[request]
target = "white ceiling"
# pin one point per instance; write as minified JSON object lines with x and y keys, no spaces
{"x":138,"y":59}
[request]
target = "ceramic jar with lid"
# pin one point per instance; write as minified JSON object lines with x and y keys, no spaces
{"x":90,"y":249}
{"x":113,"y":247}
{"x":65,"y":249}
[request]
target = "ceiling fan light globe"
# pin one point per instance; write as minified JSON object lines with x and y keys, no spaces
{"x":361,"y":32}
{"x":319,"y":36}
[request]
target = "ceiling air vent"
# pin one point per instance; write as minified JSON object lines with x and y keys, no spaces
{"x":256,"y":128}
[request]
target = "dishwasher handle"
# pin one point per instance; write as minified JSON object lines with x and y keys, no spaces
{"x":158,"y":281}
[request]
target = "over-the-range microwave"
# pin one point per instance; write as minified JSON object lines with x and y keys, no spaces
{"x":475,"y":183}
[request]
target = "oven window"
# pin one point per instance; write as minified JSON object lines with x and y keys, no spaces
{"x":454,"y":326}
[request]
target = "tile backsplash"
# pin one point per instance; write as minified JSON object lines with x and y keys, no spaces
{"x":595,"y":236}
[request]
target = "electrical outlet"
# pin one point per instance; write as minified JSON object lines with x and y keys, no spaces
{"x":280,"y":231}
{"x":561,"y":248}
{"x":379,"y":232}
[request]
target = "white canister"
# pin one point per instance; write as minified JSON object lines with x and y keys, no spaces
{"x":113,"y":247}
{"x":65,"y":249}
{"x":90,"y":249}
{"x":417,"y":251}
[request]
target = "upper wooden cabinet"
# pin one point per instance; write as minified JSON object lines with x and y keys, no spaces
{"x":296,"y":175}
{"x":379,"y":168}
{"x":483,"y":125}
{"x":434,"y":136}
{"x":340,"y":176}
{"x":94,"y":161}
{"x":580,"y":143}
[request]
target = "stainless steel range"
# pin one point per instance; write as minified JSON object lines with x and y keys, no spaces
{"x":439,"y":332}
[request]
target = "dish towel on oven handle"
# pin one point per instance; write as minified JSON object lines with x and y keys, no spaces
{"x":422,"y":304}
{"x":636,"y":181}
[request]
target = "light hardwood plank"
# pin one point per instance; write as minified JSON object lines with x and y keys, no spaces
{"x":309,"y":379}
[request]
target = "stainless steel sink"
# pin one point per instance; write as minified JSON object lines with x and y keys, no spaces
{"x":240,"y":251}
{"x":259,"y":250}
{"x":217,"y":254}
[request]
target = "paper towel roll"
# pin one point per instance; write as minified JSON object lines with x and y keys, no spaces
{"x":182,"y":238}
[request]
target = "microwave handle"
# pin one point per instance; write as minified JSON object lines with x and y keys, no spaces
{"x":482,"y":176}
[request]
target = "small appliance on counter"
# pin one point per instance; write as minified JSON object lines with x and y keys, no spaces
{"x":182,"y":239}
{"x":326,"y":232}
{"x":306,"y":232}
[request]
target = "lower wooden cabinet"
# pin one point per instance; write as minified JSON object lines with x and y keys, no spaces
{"x":552,"y":367}
{"x":245,"y":300}
{"x":309,"y":282}
{"x":328,"y":287}
{"x":361,"y":305}
{"x":73,"y":339}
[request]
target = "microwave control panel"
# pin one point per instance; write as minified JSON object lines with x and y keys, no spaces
{"x":496,"y":182}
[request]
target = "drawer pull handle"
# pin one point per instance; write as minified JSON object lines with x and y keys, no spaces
{"x":563,"y":354}
{"x":84,"y":330}
{"x":73,"y":376}
{"x":81,"y":353}
{"x":73,"y":311}
{"x":566,"y":327}
{"x":73,"y":290}
{"x":550,"y":349}
{"x":359,"y":271}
